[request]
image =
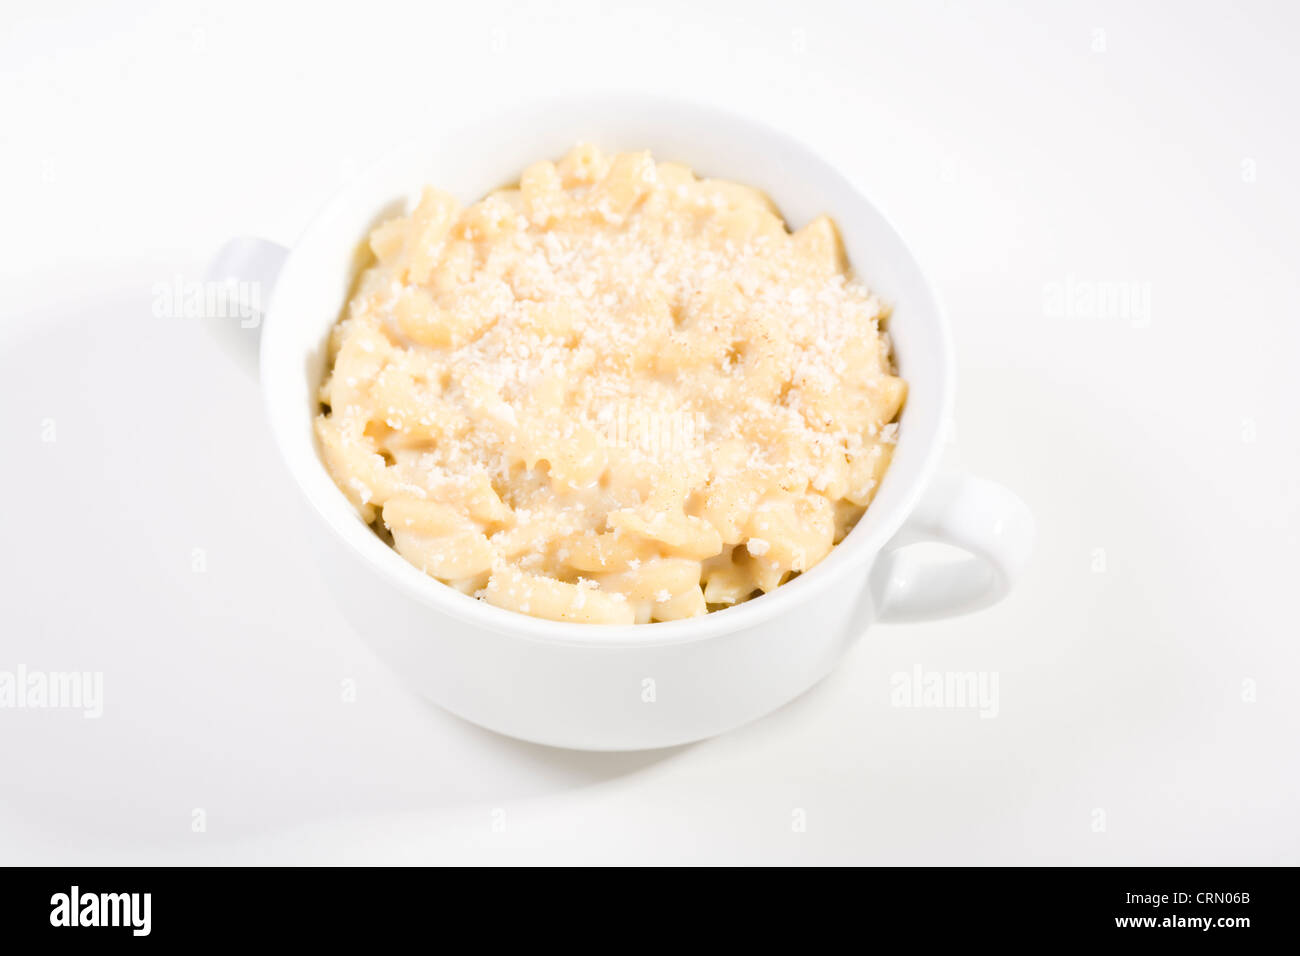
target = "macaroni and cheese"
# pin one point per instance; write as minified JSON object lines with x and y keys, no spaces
{"x":613,"y":393}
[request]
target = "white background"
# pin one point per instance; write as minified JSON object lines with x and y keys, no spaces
{"x":1147,"y":663}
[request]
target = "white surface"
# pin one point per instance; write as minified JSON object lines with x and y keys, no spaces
{"x":1013,"y":156}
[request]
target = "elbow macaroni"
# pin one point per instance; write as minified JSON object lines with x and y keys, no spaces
{"x":613,"y":394}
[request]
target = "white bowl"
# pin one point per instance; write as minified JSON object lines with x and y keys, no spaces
{"x":624,"y":688}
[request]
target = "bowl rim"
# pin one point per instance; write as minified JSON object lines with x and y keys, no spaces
{"x":855,"y":551}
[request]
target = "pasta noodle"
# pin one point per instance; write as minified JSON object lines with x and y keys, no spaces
{"x":614,"y":393}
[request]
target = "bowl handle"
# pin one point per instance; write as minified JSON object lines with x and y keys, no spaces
{"x":980,"y":517}
{"x":247,"y":268}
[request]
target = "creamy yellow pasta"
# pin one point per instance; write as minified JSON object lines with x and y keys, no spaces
{"x":614,"y":393}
